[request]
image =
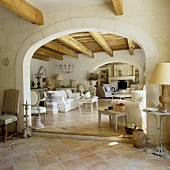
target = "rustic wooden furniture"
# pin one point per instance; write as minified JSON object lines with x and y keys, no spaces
{"x":10,"y":109}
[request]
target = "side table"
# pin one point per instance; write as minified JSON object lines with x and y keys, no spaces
{"x":159,"y":150}
{"x":112,"y":113}
{"x":52,"y":108}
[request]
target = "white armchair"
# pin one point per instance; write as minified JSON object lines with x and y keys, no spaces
{"x":105,"y":91}
{"x":66,"y":100}
{"x":134,"y":108}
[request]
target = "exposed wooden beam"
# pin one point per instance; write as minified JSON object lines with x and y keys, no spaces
{"x":118,"y":6}
{"x":76,"y":45}
{"x":102,"y":42}
{"x":40,"y":57}
{"x":57,"y":47}
{"x":130,"y":44}
{"x":25,"y":10}
{"x":48,"y":53}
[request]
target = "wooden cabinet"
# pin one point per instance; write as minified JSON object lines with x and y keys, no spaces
{"x":104,"y":74}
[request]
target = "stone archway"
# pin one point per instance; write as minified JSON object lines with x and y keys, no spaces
{"x":22,"y":65}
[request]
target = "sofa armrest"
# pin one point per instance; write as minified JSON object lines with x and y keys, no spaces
{"x":76,"y":94}
{"x":59,"y":100}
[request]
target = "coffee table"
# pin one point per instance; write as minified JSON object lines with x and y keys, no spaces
{"x":90,"y":100}
{"x":112,"y":114}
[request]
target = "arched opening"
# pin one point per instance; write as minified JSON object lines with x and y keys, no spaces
{"x":22,"y":66}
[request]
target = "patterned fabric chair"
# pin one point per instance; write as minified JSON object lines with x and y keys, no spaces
{"x":10,"y":109}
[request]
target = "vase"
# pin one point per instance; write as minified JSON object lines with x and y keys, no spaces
{"x":139,"y":138}
{"x":87,"y":95}
{"x":93,"y":82}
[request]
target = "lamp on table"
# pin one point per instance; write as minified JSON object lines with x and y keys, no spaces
{"x":161,"y":76}
{"x":59,"y":78}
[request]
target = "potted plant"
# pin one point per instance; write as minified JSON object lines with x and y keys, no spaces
{"x":85,"y":93}
{"x":92,"y":77}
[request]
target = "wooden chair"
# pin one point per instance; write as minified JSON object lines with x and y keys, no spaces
{"x":10,"y":109}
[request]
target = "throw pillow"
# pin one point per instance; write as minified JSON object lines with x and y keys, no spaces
{"x":108,"y":89}
{"x":135,"y":97}
{"x":69,"y":93}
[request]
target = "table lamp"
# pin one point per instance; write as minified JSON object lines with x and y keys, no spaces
{"x":59,"y":78}
{"x":160,"y":75}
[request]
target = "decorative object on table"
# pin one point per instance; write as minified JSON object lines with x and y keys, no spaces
{"x":50,"y":96}
{"x":59,"y":78}
{"x":72,"y":83}
{"x":38,"y":77}
{"x":130,"y":128}
{"x":120,"y":106}
{"x":66,"y":68}
{"x":49,"y":84}
{"x":139,"y":138}
{"x":160,"y":76}
{"x":27,"y":129}
{"x":85,"y":93}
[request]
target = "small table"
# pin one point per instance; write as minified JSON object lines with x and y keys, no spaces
{"x":52,"y":108}
{"x":88,"y":100}
{"x":159,"y":150}
{"x":112,"y":113}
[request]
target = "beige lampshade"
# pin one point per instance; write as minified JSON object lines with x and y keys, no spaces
{"x":59,"y":77}
{"x":160,"y":74}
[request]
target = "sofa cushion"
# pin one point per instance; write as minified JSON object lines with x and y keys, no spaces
{"x":108,"y":89}
{"x":69,"y":101}
{"x":69,"y":93}
{"x":135,"y":97}
{"x":60,"y":93}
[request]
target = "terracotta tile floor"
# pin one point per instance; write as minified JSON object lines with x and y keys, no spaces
{"x":59,"y":153}
{"x":83,"y":123}
{"x":49,"y":153}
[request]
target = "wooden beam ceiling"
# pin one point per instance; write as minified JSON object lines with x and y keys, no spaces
{"x":40,"y":57}
{"x":25,"y":10}
{"x":118,"y":7}
{"x":70,"y":41}
{"x":102,"y":42}
{"x":48,"y":53}
{"x":57,"y":47}
{"x":130,"y":44}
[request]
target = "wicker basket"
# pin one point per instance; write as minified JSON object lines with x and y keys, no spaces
{"x":120,"y":108}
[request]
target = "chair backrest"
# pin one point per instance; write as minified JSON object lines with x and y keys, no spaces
{"x":35,"y":98}
{"x":11,"y":101}
{"x":80,"y":87}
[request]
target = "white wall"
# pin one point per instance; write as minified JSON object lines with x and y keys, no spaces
{"x":146,"y":23}
{"x":82,"y":65}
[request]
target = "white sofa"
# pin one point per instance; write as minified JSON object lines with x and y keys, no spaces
{"x":66,"y":100}
{"x":134,"y":108}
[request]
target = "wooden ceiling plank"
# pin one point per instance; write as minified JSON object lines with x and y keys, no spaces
{"x":57,"y":47}
{"x":40,"y":57}
{"x":76,"y":45}
{"x":48,"y":53}
{"x":118,"y":7}
{"x":102,"y":42}
{"x":25,"y":10}
{"x":130,"y":44}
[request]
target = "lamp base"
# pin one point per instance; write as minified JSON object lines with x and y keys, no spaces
{"x":164,"y":98}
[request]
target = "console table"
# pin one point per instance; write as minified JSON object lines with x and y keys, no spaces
{"x":159,"y":150}
{"x":73,"y":89}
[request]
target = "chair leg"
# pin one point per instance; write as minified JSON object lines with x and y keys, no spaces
{"x":5,"y":132}
{"x":16,"y":123}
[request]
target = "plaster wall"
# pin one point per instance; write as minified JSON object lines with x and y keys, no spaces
{"x":146,"y":23}
{"x":84,"y":63}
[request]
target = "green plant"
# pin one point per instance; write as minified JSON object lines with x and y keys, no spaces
{"x":92,"y":76}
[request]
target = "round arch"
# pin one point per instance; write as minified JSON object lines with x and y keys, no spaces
{"x":24,"y":55}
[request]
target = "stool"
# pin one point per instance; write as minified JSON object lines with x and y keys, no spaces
{"x":52,"y":108}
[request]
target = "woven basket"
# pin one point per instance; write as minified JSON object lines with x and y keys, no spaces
{"x":120,"y":108}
